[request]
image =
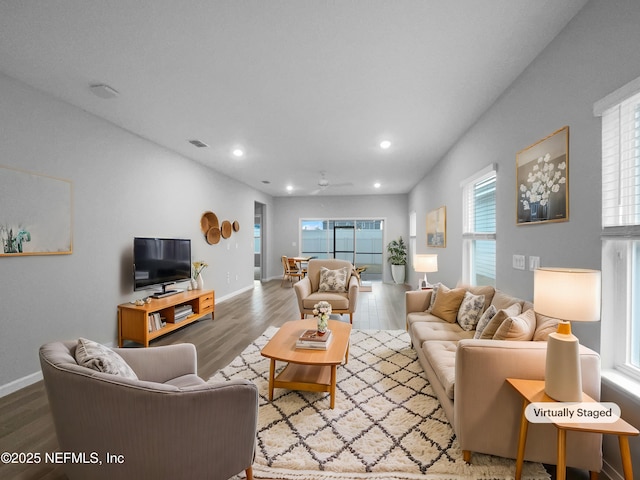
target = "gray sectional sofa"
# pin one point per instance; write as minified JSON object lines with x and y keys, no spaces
{"x":469,"y":340}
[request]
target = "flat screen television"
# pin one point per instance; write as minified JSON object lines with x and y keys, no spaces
{"x":158,"y":262}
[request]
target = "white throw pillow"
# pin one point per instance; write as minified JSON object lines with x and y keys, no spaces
{"x":333,"y":280}
{"x":95,"y":356}
{"x":470,"y":311}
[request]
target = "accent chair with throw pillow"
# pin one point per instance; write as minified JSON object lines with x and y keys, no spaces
{"x":331,"y":280}
{"x":150,"y":409}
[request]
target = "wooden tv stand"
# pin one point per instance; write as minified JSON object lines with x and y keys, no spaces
{"x":133,"y":320}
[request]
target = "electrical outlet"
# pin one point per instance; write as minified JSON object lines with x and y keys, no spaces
{"x":534,"y":263}
{"x":518,"y":262}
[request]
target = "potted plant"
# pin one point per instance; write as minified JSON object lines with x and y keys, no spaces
{"x":398,"y":259}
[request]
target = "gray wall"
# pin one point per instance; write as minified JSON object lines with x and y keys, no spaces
{"x":290,"y":210}
{"x":594,"y":55}
{"x":123,"y":186}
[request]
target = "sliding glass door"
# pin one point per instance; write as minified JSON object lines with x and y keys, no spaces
{"x":358,"y":241}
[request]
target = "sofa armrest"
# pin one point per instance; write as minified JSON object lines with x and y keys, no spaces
{"x":354,"y":288}
{"x":162,"y":363}
{"x":303,"y":290}
{"x":417,"y":300}
{"x":487,"y":410}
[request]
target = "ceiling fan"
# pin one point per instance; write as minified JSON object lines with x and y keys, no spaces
{"x":323,"y":184}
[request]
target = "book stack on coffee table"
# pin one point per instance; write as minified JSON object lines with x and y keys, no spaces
{"x":312,"y":340}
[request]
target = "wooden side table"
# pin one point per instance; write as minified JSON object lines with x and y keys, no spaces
{"x":532,"y":391}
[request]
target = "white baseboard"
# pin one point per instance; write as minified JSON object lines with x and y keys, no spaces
{"x":20,"y":383}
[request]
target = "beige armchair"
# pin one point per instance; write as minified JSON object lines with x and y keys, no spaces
{"x":308,"y":294}
{"x":167,"y":424}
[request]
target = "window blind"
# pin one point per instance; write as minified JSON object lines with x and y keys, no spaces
{"x":479,"y":198}
{"x":621,"y":164}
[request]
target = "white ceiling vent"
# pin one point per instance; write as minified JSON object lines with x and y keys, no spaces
{"x":198,"y":143}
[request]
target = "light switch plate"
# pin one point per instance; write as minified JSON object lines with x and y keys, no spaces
{"x":518,"y":262}
{"x":534,"y":263}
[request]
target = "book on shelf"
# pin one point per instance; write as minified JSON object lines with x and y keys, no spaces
{"x":311,"y":340}
{"x":156,"y":322}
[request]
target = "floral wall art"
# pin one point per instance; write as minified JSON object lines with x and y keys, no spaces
{"x":542,"y":180}
{"x":35,"y":214}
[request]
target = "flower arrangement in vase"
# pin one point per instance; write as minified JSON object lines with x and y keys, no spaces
{"x":543,"y":181}
{"x":322,"y":310}
{"x":197,"y":277}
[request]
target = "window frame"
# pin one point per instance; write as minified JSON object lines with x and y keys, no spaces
{"x":620,"y":319}
{"x":469,"y":235}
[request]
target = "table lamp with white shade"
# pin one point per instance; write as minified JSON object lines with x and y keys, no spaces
{"x":425,"y":263}
{"x":568,"y":294}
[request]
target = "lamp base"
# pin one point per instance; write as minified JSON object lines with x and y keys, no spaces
{"x":563,"y":377}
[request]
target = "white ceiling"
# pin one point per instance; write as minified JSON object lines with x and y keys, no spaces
{"x":303,"y":87}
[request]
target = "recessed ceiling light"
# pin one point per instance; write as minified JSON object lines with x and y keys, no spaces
{"x":289,"y":188}
{"x":385,"y":144}
{"x":238,"y":152}
{"x":377,"y":185}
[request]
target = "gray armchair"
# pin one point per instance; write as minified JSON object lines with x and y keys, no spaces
{"x":167,"y":424}
{"x":308,"y":294}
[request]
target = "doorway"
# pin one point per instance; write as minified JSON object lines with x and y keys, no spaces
{"x":259,"y":267}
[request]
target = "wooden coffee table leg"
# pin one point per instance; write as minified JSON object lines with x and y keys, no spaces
{"x":334,"y":369}
{"x":272,"y":372}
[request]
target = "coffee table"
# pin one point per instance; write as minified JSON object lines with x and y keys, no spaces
{"x":308,"y":370}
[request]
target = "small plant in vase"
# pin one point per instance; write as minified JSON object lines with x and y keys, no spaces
{"x":322,"y":310}
{"x":198,"y":282}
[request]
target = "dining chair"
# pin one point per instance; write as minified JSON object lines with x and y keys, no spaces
{"x":289,"y":271}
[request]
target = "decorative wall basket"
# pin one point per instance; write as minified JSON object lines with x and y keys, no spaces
{"x":226,"y":229}
{"x":213,"y":230}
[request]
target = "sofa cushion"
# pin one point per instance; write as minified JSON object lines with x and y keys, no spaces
{"x":544,"y":326}
{"x":502,"y":300}
{"x":414,"y":317}
{"x":493,"y":325}
{"x":520,"y":327}
{"x":98,"y":357}
{"x":338,"y":301}
{"x":333,"y":280}
{"x":470,"y":310}
{"x":448,"y":303}
{"x":484,"y":320}
{"x":441,"y":330}
{"x":442,"y":358}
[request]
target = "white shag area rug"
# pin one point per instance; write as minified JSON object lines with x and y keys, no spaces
{"x":387,"y":422}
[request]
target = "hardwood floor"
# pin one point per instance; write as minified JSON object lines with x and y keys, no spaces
{"x":25,"y":420}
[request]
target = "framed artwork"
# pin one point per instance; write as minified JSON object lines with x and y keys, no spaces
{"x":437,"y":228}
{"x":36,"y":216}
{"x":542,"y":180}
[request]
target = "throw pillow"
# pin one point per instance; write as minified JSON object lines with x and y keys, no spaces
{"x":520,"y":327}
{"x":333,"y":280}
{"x":486,"y":317}
{"x":493,"y":325}
{"x":95,"y":356}
{"x":544,"y":326}
{"x":447,"y":304}
{"x":470,"y":310}
{"x":434,"y":293}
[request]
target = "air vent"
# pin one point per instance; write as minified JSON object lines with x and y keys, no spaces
{"x":198,"y":143}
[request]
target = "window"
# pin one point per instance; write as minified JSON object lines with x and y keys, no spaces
{"x":479,"y":228}
{"x":620,"y":325}
{"x":358,"y":241}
